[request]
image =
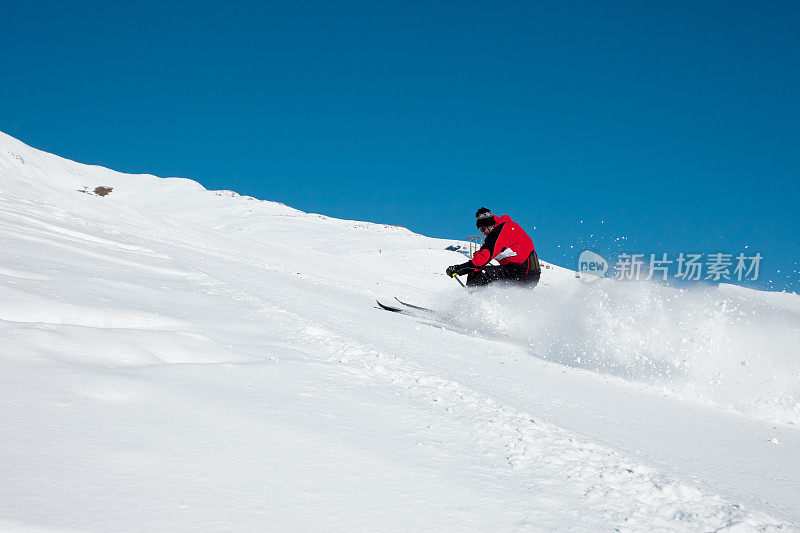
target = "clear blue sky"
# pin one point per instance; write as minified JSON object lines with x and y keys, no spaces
{"x":674,"y":123}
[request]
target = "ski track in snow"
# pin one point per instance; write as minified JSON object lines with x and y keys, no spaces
{"x":128,"y":310}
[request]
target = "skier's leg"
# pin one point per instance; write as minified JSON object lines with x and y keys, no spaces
{"x":477,"y":279}
{"x":533,"y":270}
{"x":490,"y":274}
{"x":532,"y":279}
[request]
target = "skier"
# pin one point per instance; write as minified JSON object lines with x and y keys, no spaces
{"x":506,"y":242}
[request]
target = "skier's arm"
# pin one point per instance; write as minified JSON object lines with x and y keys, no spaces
{"x":460,"y":270}
{"x":478,"y":261}
{"x":488,"y":251}
{"x":482,"y":257}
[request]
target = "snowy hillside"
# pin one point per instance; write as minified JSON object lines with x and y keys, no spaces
{"x":177,"y":359}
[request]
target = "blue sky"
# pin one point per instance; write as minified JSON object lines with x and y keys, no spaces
{"x":671,"y":124}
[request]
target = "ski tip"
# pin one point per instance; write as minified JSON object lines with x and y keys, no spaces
{"x":427,"y":310}
{"x":388,"y":308}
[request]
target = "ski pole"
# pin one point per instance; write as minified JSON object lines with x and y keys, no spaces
{"x":455,"y":277}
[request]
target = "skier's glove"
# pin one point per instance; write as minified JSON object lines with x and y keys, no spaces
{"x":460,"y":270}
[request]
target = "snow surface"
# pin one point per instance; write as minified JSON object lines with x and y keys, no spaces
{"x":173,"y":358}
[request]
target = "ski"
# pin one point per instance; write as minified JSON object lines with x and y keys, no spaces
{"x":392,"y":309}
{"x":409,"y":309}
{"x":426,"y":309}
{"x":426,"y":315}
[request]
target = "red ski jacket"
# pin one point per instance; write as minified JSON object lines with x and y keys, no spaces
{"x":507,"y":242}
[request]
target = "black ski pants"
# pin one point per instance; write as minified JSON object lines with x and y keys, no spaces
{"x":526,"y":273}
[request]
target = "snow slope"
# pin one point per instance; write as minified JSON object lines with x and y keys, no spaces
{"x":173,"y":358}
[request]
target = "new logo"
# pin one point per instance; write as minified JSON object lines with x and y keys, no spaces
{"x":592,"y":263}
